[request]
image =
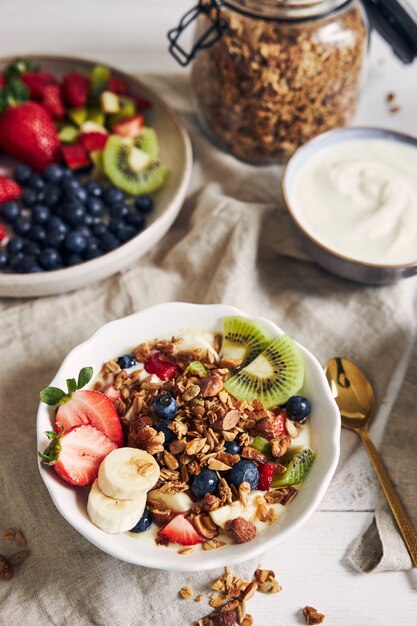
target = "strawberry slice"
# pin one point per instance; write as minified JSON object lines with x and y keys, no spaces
{"x":52,"y":101}
{"x":75,"y":157}
{"x":76,"y":455}
{"x":116,"y":85}
{"x":93,"y":141}
{"x":130,"y":127}
{"x":75,"y":89}
{"x":2,"y":81}
{"x":90,"y":407}
{"x":36,"y":82}
{"x":165,"y":370}
{"x":9,"y":189}
{"x":180,"y":530}
{"x":2,"y":232}
{"x":266,"y":474}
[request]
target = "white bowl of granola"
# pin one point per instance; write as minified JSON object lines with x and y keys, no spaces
{"x":222,"y":419}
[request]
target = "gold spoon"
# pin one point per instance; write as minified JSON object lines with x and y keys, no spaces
{"x":356,"y":401}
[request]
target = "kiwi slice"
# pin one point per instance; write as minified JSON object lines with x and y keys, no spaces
{"x":300,"y":463}
{"x":127,"y":109}
{"x":243,"y":339}
{"x":99,"y":79}
{"x":273,"y":377}
{"x":148,"y":142}
{"x":117,"y":165}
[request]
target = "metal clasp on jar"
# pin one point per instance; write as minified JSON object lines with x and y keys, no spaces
{"x":211,"y":8}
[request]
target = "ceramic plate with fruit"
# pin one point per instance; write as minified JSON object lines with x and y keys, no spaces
{"x":94,"y":167}
{"x":188,"y":436}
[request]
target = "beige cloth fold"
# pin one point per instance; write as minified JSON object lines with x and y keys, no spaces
{"x":232,"y":243}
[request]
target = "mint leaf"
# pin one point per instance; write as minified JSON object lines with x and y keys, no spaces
{"x":51,"y":395}
{"x":71,"y":385}
{"x":84,"y":377}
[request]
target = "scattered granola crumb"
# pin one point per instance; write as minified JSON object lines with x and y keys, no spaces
{"x":9,"y":533}
{"x":312,"y":615}
{"x":391,"y":96}
{"x":199,"y":597}
{"x":395,"y":109}
{"x":185,"y":551}
{"x":247,"y":620}
{"x":186,"y":593}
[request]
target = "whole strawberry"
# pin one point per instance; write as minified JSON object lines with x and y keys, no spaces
{"x":28,"y":133}
{"x":75,"y":88}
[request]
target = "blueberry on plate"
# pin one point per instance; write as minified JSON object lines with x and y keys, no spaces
{"x":57,"y":224}
{"x":15,"y":245}
{"x":15,"y":259}
{"x":113,"y":195}
{"x":298,"y":408}
{"x":28,"y":265}
{"x":32,"y":248}
{"x":29,"y":197}
{"x":52,"y":196}
{"x":10,"y":211}
{"x":53,"y":173}
{"x":244,"y":471}
{"x":124,"y":233}
{"x":109,"y":242}
{"x":22,"y":174}
{"x":144,"y":204}
{"x":22,"y":226}
{"x":100,"y":229}
{"x":119,"y":210}
{"x":77,"y":194}
{"x":205,"y":482}
{"x":136,"y":220}
{"x":72,"y":259}
{"x":126,"y":361}
{"x":115,"y":225}
{"x":4,"y":259}
{"x":165,"y":406}
{"x":162,"y":426}
{"x":40,"y":214}
{"x":70,"y":184}
{"x":50,"y":259}
{"x":74,"y":214}
{"x":36,"y":182}
{"x":144,"y":523}
{"x":95,"y":207}
{"x":232,"y":447}
{"x":75,"y":242}
{"x":94,"y":189}
{"x":37,"y":233}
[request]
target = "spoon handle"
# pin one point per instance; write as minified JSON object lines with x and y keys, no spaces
{"x":404,"y":523}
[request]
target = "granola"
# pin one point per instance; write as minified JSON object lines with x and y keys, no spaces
{"x":268,"y":86}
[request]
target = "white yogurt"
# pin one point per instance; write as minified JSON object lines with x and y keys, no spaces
{"x":359,"y":198}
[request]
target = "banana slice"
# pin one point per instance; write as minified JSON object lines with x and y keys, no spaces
{"x":114,"y":516}
{"x":127,"y":473}
{"x":177,"y":502}
{"x":227,"y":513}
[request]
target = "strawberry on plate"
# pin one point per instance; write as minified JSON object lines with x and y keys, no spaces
{"x":9,"y":189}
{"x":93,"y":141}
{"x":76,"y":455}
{"x":27,"y":132}
{"x":164,"y":369}
{"x":75,"y":88}
{"x":52,"y":101}
{"x":36,"y":82}
{"x":116,"y":85}
{"x":130,"y":127}
{"x":83,"y":407}
{"x":75,"y":157}
{"x":180,"y":530}
{"x":2,"y":81}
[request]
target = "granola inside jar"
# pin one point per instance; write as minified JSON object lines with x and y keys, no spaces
{"x":279,"y":72}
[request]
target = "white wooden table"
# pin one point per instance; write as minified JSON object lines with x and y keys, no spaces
{"x":312,"y":568}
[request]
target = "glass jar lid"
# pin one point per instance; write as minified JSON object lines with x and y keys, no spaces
{"x":285,"y":9}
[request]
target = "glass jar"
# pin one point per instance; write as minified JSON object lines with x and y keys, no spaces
{"x":269,"y":75}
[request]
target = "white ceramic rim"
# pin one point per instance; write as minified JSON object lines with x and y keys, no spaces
{"x":129,"y":249}
{"x":212,"y":558}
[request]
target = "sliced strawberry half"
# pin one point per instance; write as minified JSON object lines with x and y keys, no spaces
{"x":93,"y":141}
{"x":75,"y":157}
{"x":9,"y":189}
{"x":130,"y":127}
{"x":76,"y":455}
{"x":90,"y":407}
{"x":180,"y":530}
{"x":266,"y":474}
{"x":165,"y":370}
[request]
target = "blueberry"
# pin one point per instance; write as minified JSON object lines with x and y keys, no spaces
{"x":22,"y":174}
{"x":50,"y":259}
{"x":32,"y":248}
{"x":69,"y":183}
{"x":205,"y":482}
{"x":15,"y":259}
{"x":126,"y":361}
{"x":74,"y":214}
{"x":109,"y":242}
{"x":244,"y":471}
{"x":92,"y":251}
{"x":232,"y":447}
{"x":67,"y":174}
{"x":144,"y":523}
{"x":136,"y":220}
{"x":56,"y":224}
{"x":94,"y":189}
{"x":15,"y":244}
{"x":40,"y":214}
{"x":298,"y":408}
{"x":73,"y":259}
{"x":100,"y":229}
{"x":29,"y":197}
{"x":125,"y":233}
{"x":27,"y":265}
{"x":36,"y":182}
{"x":75,"y":242}
{"x":52,"y":196}
{"x":144,"y":204}
{"x":95,"y":207}
{"x":162,"y":426}
{"x":10,"y":211}
{"x":53,"y":173}
{"x":113,"y":196}
{"x":115,"y":225}
{"x":77,"y":194}
{"x":165,"y":406}
{"x":22,"y":226}
{"x":37,"y":233}
{"x":119,"y":211}
{"x":4,"y":259}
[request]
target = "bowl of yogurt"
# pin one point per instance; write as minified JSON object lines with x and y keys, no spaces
{"x":352,"y":194}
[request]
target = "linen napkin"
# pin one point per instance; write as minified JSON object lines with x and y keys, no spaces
{"x":233,"y":242}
